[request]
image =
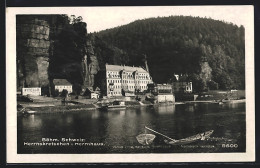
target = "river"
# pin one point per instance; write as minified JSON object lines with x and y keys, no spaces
{"x":115,"y":131}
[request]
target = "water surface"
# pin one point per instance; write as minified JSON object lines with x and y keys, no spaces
{"x":115,"y":131}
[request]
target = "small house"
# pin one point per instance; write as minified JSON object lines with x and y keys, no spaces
{"x":181,"y":84}
{"x":31,"y":91}
{"x":62,"y":84}
{"x":165,"y":93}
{"x":91,"y":94}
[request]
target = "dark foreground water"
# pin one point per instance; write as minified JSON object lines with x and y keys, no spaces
{"x":115,"y":131}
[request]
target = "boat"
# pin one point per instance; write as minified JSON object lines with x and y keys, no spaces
{"x":102,"y":104}
{"x":117,"y":105}
{"x":200,"y":136}
{"x":171,"y":141}
{"x":145,"y":139}
{"x":220,"y":103}
{"x":29,"y":112}
{"x":114,"y":105}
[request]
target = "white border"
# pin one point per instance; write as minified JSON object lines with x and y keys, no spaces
{"x":11,"y":117}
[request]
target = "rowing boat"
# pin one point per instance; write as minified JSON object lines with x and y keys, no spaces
{"x":171,"y":141}
{"x":201,"y":136}
{"x":145,"y":139}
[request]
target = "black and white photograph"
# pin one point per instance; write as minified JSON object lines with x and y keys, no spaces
{"x":164,"y":81}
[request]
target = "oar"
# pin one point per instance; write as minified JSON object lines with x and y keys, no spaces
{"x":159,"y":133}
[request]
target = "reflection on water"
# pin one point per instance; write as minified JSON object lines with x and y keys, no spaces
{"x":120,"y":127}
{"x":166,"y":109}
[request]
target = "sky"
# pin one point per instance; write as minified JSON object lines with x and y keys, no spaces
{"x":101,"y":18}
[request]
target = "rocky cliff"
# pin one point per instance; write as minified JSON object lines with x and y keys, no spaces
{"x":54,"y":46}
{"x":32,"y":39}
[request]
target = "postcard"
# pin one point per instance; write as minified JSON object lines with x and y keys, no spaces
{"x":130,"y":84}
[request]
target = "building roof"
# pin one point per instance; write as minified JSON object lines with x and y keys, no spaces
{"x":61,"y":82}
{"x":126,"y":68}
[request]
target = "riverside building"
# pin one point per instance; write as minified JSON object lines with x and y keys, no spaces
{"x":62,"y":84}
{"x":126,"y":80}
{"x":181,"y":84}
{"x":165,"y":93}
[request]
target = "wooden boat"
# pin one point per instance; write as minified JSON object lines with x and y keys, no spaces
{"x":114,"y":105}
{"x":201,"y":136}
{"x":145,"y":139}
{"x":117,"y":105}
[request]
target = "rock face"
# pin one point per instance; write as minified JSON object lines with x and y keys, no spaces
{"x":32,"y":38}
{"x":52,"y":47}
{"x":93,"y":66}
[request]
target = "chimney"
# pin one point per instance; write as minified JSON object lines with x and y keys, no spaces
{"x":146,"y":64}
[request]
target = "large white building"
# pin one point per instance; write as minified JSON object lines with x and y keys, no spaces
{"x":126,"y":80}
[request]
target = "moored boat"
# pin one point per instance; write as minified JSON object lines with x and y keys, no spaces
{"x":200,"y":136}
{"x":171,"y":141}
{"x":113,"y":105}
{"x":29,"y":112}
{"x":117,"y":105}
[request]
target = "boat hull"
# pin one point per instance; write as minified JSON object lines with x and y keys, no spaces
{"x":145,"y":139}
{"x":116,"y":107}
{"x":197,"y":137}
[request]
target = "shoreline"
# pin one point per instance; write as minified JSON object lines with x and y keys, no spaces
{"x":42,"y":108}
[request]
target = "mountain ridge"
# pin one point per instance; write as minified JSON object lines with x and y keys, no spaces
{"x":180,"y":44}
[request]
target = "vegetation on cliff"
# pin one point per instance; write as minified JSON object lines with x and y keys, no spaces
{"x":210,"y":52}
{"x":78,"y":56}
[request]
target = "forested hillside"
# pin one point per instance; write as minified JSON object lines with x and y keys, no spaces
{"x":210,"y":52}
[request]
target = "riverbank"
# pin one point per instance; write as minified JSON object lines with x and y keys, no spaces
{"x":57,"y":106}
{"x":214,"y":101}
{"x":60,"y":109}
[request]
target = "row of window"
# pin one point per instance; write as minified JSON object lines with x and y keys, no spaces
{"x":126,"y":81}
{"x":128,"y":74}
{"x":63,"y":86}
{"x":113,"y":76}
{"x":33,"y":89}
{"x":131,"y":81}
{"x":114,"y":93}
{"x":114,"y":81}
{"x":112,"y":72}
{"x":130,"y":87}
{"x":129,"y":77}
